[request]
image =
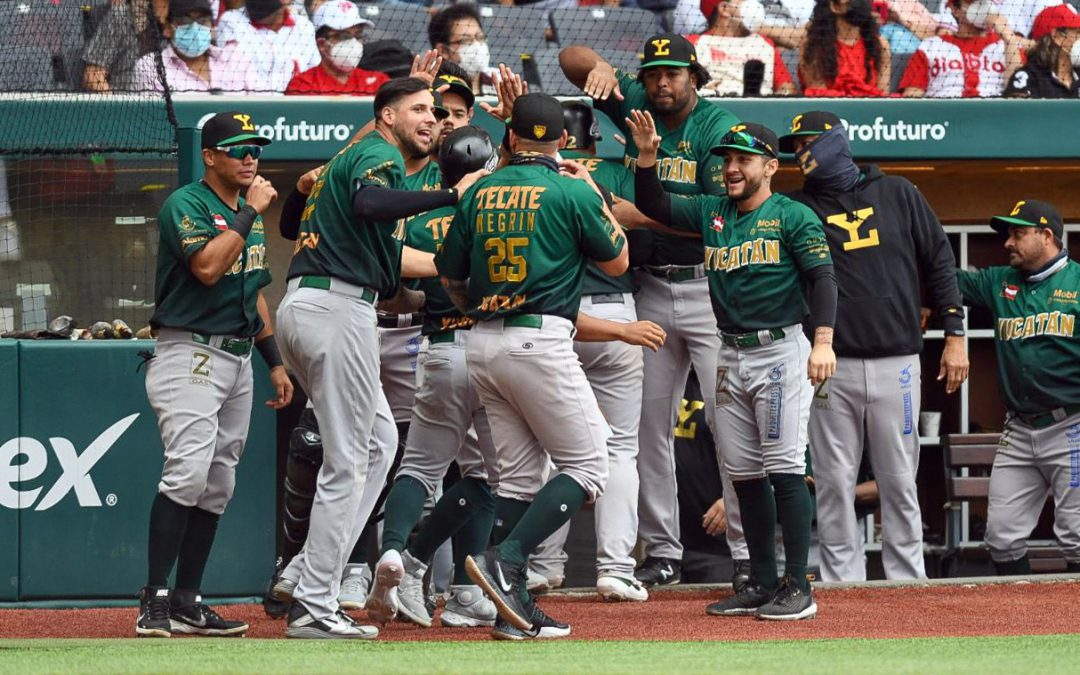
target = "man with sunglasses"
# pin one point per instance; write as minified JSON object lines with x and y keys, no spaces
{"x":209,"y":314}
{"x":761,"y":248}
{"x":673,"y":289}
{"x":339,"y":35}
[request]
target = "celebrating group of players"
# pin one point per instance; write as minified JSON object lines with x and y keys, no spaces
{"x":549,"y":373}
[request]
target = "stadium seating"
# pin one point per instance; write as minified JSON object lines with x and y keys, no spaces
{"x":513,"y":31}
{"x":25,"y":69}
{"x":405,"y":23}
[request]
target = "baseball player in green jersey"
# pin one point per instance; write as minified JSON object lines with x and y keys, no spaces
{"x":760,"y":249}
{"x":1034,"y":301}
{"x":347,"y":254}
{"x":673,"y":289}
{"x":521,"y":237}
{"x":209,"y":313}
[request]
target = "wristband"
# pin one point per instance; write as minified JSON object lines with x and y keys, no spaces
{"x":244,"y":220}
{"x":454,"y":193}
{"x":269,"y":350}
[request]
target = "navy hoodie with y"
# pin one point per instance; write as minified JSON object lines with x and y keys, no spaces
{"x":883,"y":237}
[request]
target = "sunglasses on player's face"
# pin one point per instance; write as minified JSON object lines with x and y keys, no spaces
{"x":741,"y":139}
{"x":242,"y":151}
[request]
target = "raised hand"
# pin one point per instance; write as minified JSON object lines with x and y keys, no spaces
{"x":307,"y":181}
{"x":602,"y":82}
{"x":508,"y":88}
{"x":260,"y":194}
{"x":643,"y":132}
{"x":426,"y":66}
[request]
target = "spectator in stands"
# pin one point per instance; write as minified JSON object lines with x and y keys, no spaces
{"x":1053,"y":64}
{"x":192,"y":63}
{"x":904,"y":23}
{"x":739,"y":60}
{"x":784,"y":20}
{"x":339,"y":34}
{"x":844,"y":55}
{"x":279,"y":40}
{"x":128,"y":31}
{"x":458,"y":36}
{"x":972,"y":62}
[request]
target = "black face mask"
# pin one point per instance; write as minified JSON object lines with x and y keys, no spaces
{"x":534,"y":158}
{"x":827,"y":163}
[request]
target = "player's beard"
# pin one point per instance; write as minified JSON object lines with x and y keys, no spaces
{"x":411,"y":144}
{"x":750,"y":188}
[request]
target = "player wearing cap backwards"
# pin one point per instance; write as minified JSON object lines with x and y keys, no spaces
{"x":209,"y":312}
{"x":884,"y":240}
{"x":347,"y":254}
{"x":1035,"y":307}
{"x":760,"y":248}
{"x":674,"y":291}
{"x":521,"y":238}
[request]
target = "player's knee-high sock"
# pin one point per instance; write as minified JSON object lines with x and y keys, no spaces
{"x":359,"y":553}
{"x":556,"y":502}
{"x":795,"y":511}
{"x":195,"y":548}
{"x":458,"y":506}
{"x":404,"y":506}
{"x":473,"y":537}
{"x":168,"y":520}
{"x":507,"y":514}
{"x":758,"y":509}
{"x":1010,"y":567}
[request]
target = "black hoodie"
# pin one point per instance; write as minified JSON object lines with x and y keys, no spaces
{"x":883,"y":237}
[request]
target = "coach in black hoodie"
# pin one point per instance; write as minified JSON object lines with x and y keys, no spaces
{"x":884,"y":238}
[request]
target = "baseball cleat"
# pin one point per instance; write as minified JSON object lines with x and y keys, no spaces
{"x":743,"y":603}
{"x":618,"y":587}
{"x":274,"y":608}
{"x":544,"y":628}
{"x":790,"y":603}
{"x":502,"y":583}
{"x":740,"y":575}
{"x":468,"y":608}
{"x":341,"y":627}
{"x":354,"y":586}
{"x":283,"y":590}
{"x":658,"y":572}
{"x":153,"y":618}
{"x":382,"y":603}
{"x":412,"y":605}
{"x":189,"y":615}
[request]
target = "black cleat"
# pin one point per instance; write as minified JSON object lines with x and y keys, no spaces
{"x":544,"y":628}
{"x":743,"y":603}
{"x":502,"y":583}
{"x":790,"y":603}
{"x":153,"y":618}
{"x":275,"y":608}
{"x":189,"y":615}
{"x":658,"y":572}
{"x":740,"y":576}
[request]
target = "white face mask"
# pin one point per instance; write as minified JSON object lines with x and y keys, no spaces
{"x":474,"y":58}
{"x":346,"y":54}
{"x":751,"y":15}
{"x":978,"y":13}
{"x":1074,"y":54}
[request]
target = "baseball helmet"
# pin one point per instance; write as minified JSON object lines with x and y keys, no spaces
{"x":466,"y":150}
{"x":582,"y":127}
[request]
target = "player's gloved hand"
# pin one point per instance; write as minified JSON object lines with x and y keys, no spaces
{"x":426,"y":66}
{"x":715,"y":520}
{"x":307,"y":181}
{"x":260,"y":194}
{"x":954,"y":363}
{"x":282,"y":385}
{"x":467,"y":181}
{"x":822,"y":363}
{"x":643,"y":131}
{"x":643,"y":334}
{"x":602,"y":82}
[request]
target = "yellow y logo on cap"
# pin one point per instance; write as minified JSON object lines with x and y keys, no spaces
{"x":245,"y":121}
{"x":539,"y":130}
{"x":1016,"y":209}
{"x":796,"y":124}
{"x":662,"y":48}
{"x":737,"y":127}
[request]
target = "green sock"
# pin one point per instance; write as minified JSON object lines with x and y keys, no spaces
{"x":473,"y":537}
{"x":507,"y":514}
{"x":556,"y":502}
{"x":758,"y":509}
{"x":795,"y":511}
{"x":1013,"y":567}
{"x":404,"y":505}
{"x":456,"y":507}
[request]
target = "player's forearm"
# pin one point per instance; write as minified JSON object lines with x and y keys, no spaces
{"x":649,"y":195}
{"x":291,"y":213}
{"x":264,"y":314}
{"x":576,"y":62}
{"x":458,"y":291}
{"x":373,"y":202}
{"x":417,"y":264}
{"x":405,"y":301}
{"x":213,"y":260}
{"x":593,"y":329}
{"x":823,"y":293}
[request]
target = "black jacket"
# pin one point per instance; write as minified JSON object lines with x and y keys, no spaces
{"x":883,"y":237}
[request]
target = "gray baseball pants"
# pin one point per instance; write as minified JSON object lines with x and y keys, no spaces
{"x":398,"y":352}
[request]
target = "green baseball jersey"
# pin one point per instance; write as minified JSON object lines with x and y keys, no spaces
{"x":683,"y":162}
{"x":753,"y":259}
{"x":521,"y":236}
{"x":189,"y":218}
{"x":331,"y":242}
{"x":427,"y":232}
{"x":427,"y":179}
{"x":1035,"y":329}
{"x":618,"y":180}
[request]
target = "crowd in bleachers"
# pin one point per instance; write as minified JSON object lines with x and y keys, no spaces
{"x":857,"y":48}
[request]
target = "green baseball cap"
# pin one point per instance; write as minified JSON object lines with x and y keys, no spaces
{"x":1030,"y":213}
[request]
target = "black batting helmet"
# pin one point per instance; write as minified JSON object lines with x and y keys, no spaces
{"x":466,"y":150}
{"x":582,"y":127}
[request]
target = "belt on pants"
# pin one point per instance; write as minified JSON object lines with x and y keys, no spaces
{"x":443,"y":337}
{"x":758,"y":338}
{"x":400,"y":320}
{"x":340,"y":287}
{"x":676,"y":273}
{"x":523,"y":321}
{"x":236,"y":346}
{"x":606,"y":298}
{"x":1043,"y":420}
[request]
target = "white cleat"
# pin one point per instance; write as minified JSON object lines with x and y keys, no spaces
{"x":620,"y":588}
{"x":382,"y":602}
{"x":468,"y":607}
{"x":410,"y":596}
{"x":354,"y":586}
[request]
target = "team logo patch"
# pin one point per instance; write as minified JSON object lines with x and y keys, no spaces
{"x":539,"y":130}
{"x":187,"y":224}
{"x":718,"y":224}
{"x":219,"y":222}
{"x":1008,"y":291}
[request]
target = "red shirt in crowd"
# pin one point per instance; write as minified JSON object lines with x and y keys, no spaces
{"x":947,"y":66}
{"x":851,"y":77}
{"x":317,"y":81}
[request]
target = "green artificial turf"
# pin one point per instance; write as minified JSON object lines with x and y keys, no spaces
{"x":1026,"y":654}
